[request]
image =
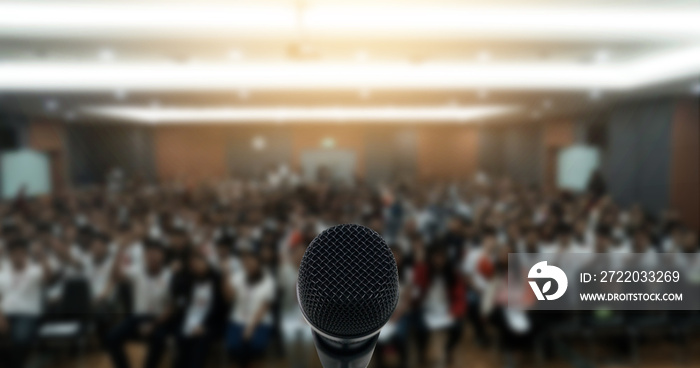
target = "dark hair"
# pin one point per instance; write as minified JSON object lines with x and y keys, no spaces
{"x":603,"y":231}
{"x":103,"y":237}
{"x":488,"y":231}
{"x":153,"y":244}
{"x":446,"y":273}
{"x":563,"y":229}
{"x":17,"y":244}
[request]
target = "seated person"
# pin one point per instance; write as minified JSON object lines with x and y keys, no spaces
{"x":151,"y":316}
{"x":97,"y":267}
{"x":21,"y":283}
{"x":250,"y":325}
{"x":200,"y":311}
{"x":442,"y":303}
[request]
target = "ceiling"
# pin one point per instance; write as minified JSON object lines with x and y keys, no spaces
{"x":86,"y":61}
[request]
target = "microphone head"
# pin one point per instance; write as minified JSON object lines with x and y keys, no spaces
{"x":348,"y":284}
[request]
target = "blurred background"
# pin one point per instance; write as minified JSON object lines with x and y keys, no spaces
{"x":164,"y":164}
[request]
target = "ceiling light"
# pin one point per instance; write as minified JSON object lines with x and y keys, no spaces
{"x":120,"y":95}
{"x":365,"y":93}
{"x":318,"y":115}
{"x":695,"y":88}
{"x":235,"y":55}
{"x":361,"y":56}
{"x":601,"y":56}
{"x":483,"y":56}
{"x":106,"y":54}
{"x":51,"y":105}
{"x":45,"y":76}
{"x":383,"y":19}
{"x":595,"y":94}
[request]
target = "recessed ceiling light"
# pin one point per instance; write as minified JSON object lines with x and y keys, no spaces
{"x":601,"y":56}
{"x":361,"y":56}
{"x":695,"y":88}
{"x":483,"y":56}
{"x":51,"y":105}
{"x":120,"y":95}
{"x":235,"y":55}
{"x":365,"y":93}
{"x":106,"y":54}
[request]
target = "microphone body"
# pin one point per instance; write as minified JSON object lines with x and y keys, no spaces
{"x":347,"y":291}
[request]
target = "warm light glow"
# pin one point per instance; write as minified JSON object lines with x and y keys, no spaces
{"x":130,"y":19}
{"x":531,"y":21}
{"x":649,"y":70}
{"x":289,"y":114}
{"x":376,"y":19}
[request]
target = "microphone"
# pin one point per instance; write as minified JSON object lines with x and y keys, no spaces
{"x":348,"y":288}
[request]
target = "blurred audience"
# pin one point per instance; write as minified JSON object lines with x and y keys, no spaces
{"x":216,"y":264}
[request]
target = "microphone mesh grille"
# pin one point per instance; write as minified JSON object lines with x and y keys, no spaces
{"x":348,"y":281}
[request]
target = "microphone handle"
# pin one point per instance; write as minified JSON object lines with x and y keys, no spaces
{"x":344,"y":355}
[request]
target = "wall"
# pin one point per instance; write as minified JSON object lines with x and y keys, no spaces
{"x":348,"y":137}
{"x":49,"y":137}
{"x":637,"y":162}
{"x":190,"y":152}
{"x":383,"y":152}
{"x":447,"y":152}
{"x":685,"y":165}
{"x":95,"y":148}
{"x":556,"y":135}
{"x":516,"y":150}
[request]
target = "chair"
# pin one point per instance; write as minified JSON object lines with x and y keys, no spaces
{"x":69,"y":327}
{"x":645,"y":324}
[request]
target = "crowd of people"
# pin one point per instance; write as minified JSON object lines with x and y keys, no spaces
{"x":216,"y":264}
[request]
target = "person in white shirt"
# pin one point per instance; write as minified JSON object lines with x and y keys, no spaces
{"x":65,"y":265}
{"x":477,"y":282}
{"x":97,"y":267}
{"x":199,"y":310}
{"x":297,"y":334}
{"x":21,"y":283}
{"x":250,"y":323}
{"x":152,"y":309}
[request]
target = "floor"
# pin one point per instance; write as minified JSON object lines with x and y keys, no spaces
{"x":653,"y":354}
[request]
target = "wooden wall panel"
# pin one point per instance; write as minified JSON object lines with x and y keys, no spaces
{"x":447,"y":152}
{"x":685,"y":162}
{"x":48,"y":137}
{"x":200,"y":152}
{"x":555,"y":136}
{"x":191,"y":153}
{"x":309,"y":137}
